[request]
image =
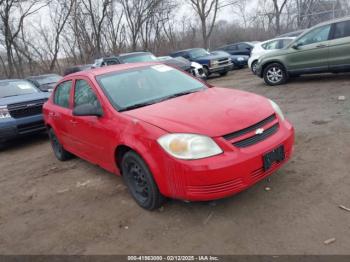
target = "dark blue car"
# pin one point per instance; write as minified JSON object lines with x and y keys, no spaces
{"x":218,"y":64}
{"x":20,"y":109}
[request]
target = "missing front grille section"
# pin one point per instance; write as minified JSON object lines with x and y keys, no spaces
{"x":257,"y":138}
{"x":250,"y":129}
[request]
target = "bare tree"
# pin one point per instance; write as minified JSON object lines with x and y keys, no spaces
{"x":207,"y":11}
{"x":11,"y":25}
{"x":137,"y":12}
{"x":278,"y":9}
{"x":97,"y":15}
{"x":61,"y":11}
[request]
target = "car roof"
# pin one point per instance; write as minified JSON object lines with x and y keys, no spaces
{"x":12,"y":80}
{"x":109,"y":69}
{"x":292,"y":34}
{"x":186,"y":50}
{"x":337,"y":20}
{"x":45,"y":75}
{"x":277,"y":38}
{"x":134,"y":53}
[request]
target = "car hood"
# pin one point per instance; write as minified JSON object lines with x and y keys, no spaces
{"x":212,"y":57}
{"x":212,"y":112}
{"x":23,"y":98}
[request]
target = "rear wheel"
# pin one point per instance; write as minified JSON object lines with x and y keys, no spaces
{"x":60,"y":153}
{"x":275,"y":74}
{"x":140,"y":182}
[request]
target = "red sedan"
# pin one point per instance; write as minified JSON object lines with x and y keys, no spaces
{"x":167,"y":133}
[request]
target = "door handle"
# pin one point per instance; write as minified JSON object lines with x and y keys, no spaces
{"x":322,"y":46}
{"x":73,"y":122}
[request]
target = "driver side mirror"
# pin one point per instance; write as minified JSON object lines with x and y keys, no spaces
{"x":87,"y":110}
{"x":296,"y":46}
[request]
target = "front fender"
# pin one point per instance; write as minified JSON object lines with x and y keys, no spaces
{"x":142,"y":137}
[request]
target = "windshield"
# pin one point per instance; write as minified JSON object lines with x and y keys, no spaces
{"x":139,"y":58}
{"x":48,"y":79}
{"x":146,"y":85}
{"x":16,"y":88}
{"x":198,"y":53}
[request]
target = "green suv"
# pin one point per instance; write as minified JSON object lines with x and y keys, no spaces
{"x":323,"y":48}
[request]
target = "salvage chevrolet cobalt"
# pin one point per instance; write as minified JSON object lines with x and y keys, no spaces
{"x":167,"y":133}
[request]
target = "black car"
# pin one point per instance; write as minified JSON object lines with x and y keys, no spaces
{"x":77,"y":68}
{"x":107,"y":61}
{"x":243,"y":48}
{"x":138,"y":57}
{"x":45,"y":82}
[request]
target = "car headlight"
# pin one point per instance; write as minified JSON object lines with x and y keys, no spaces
{"x":189,"y":146}
{"x":4,"y":112}
{"x":214,"y":62}
{"x":277,"y":109}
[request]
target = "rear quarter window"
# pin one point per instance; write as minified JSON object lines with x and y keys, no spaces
{"x":341,"y":30}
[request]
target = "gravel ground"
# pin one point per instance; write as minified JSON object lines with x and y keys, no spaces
{"x":50,"y":207}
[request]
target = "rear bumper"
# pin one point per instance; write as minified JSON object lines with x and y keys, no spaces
{"x":12,"y":128}
{"x":240,"y":63}
{"x":228,"y":173}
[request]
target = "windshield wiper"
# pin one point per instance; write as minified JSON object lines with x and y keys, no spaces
{"x":138,"y":105}
{"x":179,"y":94}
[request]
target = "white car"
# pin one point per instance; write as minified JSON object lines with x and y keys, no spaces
{"x":266,"y":47}
{"x":196,"y":69}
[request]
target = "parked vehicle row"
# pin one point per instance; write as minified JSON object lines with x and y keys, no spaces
{"x":324,"y":48}
{"x":212,"y":63}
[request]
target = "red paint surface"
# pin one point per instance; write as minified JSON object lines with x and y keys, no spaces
{"x":214,"y":112}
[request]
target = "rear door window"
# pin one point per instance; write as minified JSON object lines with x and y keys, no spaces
{"x":62,"y":94}
{"x":271,"y":45}
{"x":341,"y":30}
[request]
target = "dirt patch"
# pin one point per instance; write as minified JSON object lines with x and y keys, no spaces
{"x":51,"y":207}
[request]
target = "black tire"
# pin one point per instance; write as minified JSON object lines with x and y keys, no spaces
{"x":275,"y":74}
{"x":140,"y":182}
{"x":223,"y":73}
{"x":253,"y":67}
{"x":206,"y":71}
{"x":60,"y":153}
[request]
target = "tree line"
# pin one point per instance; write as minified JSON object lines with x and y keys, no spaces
{"x":40,"y":36}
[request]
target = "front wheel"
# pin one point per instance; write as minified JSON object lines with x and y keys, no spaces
{"x":140,"y":182}
{"x":206,"y":71}
{"x":223,"y":73}
{"x":275,"y":74}
{"x":254,"y":67}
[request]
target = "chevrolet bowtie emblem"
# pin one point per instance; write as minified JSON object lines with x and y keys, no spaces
{"x":259,"y":131}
